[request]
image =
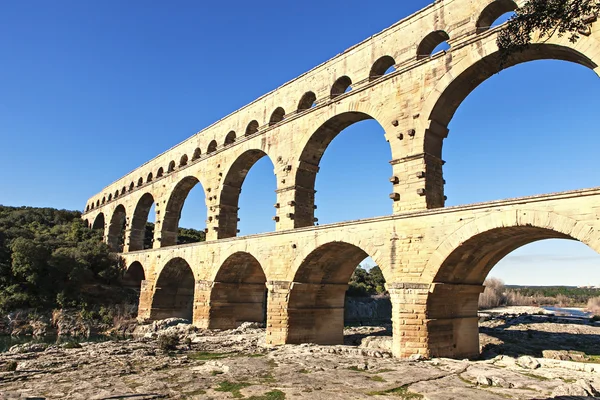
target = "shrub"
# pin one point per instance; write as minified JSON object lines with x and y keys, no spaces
{"x":493,"y":295}
{"x":593,"y":305}
{"x":168,"y":342}
{"x":9,"y":366}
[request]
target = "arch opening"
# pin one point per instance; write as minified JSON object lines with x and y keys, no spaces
{"x":277,"y":116}
{"x":149,"y":178}
{"x":308,"y":100}
{"x":496,"y":13}
{"x":160,"y":172}
{"x":140,"y":225}
{"x":123,"y":190}
{"x":109,"y":196}
{"x":257,"y":218}
{"x":318,"y":296}
{"x":458,"y":290}
{"x":212,"y":147}
{"x":188,"y":190}
{"x":538,"y":108}
{"x":140,"y":182}
{"x":381,"y":67}
{"x":230,"y":138}
{"x":183,"y":161}
{"x":252,"y":128}
{"x":99,"y":222}
{"x":432,"y":44}
{"x":116,"y":229}
{"x":171,"y":167}
{"x":133,"y":276}
{"x":351,"y":181}
{"x":197,"y":154}
{"x":342,"y":85}
{"x":174,"y":292}
{"x":116,"y":194}
{"x":239,"y":293}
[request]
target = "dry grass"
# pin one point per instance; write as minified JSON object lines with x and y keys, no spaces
{"x":593,"y":305}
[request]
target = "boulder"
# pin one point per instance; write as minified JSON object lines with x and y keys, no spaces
{"x":528,"y":362}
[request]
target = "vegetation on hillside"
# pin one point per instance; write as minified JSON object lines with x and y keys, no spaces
{"x":47,"y":256}
{"x":547,"y":18}
{"x":364,"y":283}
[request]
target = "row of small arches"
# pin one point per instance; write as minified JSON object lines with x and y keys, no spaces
{"x":382,"y":66}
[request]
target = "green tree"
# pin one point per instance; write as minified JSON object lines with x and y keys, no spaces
{"x":547,"y":18}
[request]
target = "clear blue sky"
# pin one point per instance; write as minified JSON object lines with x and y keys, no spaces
{"x":91,"y":90}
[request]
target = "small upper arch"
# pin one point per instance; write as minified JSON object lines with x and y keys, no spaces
{"x":171,"y":166}
{"x":230,"y":138}
{"x":197,"y":154}
{"x":341,"y":86}
{"x":160,"y":172}
{"x":150,"y":177}
{"x":212,"y":147}
{"x":116,"y":194}
{"x":252,"y":128}
{"x":277,"y":116}
{"x":109,"y":196}
{"x":307,"y":101}
{"x":183,"y":160}
{"x":131,"y":186}
{"x":431,"y":42}
{"x":103,"y":200}
{"x":123,"y":190}
{"x":492,"y":12}
{"x":140,"y":182}
{"x":382,"y":66}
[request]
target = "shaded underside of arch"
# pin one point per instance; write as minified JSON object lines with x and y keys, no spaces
{"x":116,"y":229}
{"x":457,"y":91}
{"x":134,"y":276}
{"x":239,"y":293}
{"x":230,"y":193}
{"x":452,"y":303}
{"x":316,"y":302}
{"x":174,"y":292}
{"x":138,"y":222}
{"x":99,"y":222}
{"x":309,"y":163}
{"x":170,"y":223}
{"x":472,"y":261}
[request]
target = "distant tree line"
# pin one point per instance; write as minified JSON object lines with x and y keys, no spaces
{"x":497,"y":294}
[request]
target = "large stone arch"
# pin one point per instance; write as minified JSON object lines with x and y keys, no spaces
{"x":478,"y":66}
{"x":117,"y":228}
{"x":238,"y":292}
{"x":170,"y":220}
{"x":138,"y":222}
{"x":174,"y":291}
{"x":328,"y":126}
{"x":462,"y":262}
{"x":231,"y":189}
{"x":317,"y":294}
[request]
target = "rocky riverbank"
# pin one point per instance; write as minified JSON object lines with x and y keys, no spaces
{"x":519,"y":361}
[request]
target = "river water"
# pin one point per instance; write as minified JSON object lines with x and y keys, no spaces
{"x":569,"y":312}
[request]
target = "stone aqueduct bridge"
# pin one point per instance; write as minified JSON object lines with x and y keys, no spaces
{"x":434,"y":259}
